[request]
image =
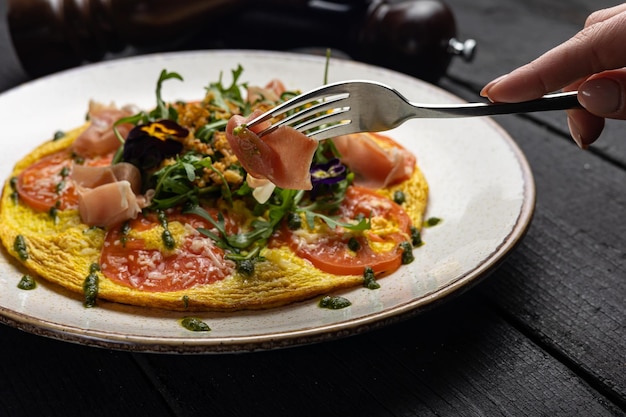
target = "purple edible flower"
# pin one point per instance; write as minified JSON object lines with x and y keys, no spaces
{"x":147,"y":145}
{"x":328,"y":173}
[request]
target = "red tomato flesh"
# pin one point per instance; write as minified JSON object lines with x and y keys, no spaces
{"x":331,"y":253}
{"x":46,"y":183}
{"x":196,"y":261}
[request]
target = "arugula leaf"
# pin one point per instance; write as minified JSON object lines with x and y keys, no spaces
{"x":362,"y":224}
{"x":175,"y":184}
{"x":190,"y":170}
{"x":135,"y":119}
{"x":327,"y":65}
{"x":205,"y":133}
{"x":163,"y":111}
{"x":261,"y":228}
{"x":222,"y":95}
{"x":246,"y":245}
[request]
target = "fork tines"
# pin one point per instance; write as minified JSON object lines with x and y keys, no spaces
{"x":316,"y":111}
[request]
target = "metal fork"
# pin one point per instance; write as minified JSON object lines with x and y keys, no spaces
{"x":366,"y":106}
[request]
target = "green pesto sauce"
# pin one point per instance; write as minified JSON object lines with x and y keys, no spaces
{"x":369,"y":279}
{"x":237,"y":131}
{"x":91,"y":286}
{"x":168,"y":239}
{"x":245,"y":266}
{"x":407,"y":252}
{"x":294,"y":222}
{"x":416,"y":237}
{"x":166,"y":236}
{"x":54,"y":214}
{"x":432,"y":221}
{"x":399,"y":197}
{"x":59,"y":187}
{"x":14,"y":194}
{"x":194,"y":324}
{"x":19,"y":245}
{"x":334,"y":302}
{"x":124,"y":231}
{"x":27,"y":283}
{"x":353,"y":244}
{"x":78,"y":159}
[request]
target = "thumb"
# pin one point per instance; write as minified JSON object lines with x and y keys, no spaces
{"x":604,"y":94}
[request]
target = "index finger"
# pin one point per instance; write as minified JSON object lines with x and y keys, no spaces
{"x":596,"y":48}
{"x":604,"y":14}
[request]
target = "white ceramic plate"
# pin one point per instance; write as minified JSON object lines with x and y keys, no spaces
{"x":481,"y":186}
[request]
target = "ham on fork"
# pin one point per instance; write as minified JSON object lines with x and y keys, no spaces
{"x":283,"y":157}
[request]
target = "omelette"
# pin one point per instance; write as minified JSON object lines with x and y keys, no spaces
{"x":181,"y":208}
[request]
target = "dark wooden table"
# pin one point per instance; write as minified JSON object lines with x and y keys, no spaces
{"x":545,"y":335}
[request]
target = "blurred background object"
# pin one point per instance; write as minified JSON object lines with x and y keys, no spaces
{"x":417,"y":37}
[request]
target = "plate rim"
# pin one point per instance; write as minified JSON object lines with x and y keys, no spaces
{"x":313,"y":334}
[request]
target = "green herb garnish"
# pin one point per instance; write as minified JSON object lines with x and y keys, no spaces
{"x":174,"y":184}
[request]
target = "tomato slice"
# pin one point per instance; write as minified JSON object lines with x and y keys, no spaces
{"x":132,"y":262}
{"x":46,"y":183}
{"x":330,"y":252}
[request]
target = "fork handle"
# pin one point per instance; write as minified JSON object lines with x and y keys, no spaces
{"x":556,"y":101}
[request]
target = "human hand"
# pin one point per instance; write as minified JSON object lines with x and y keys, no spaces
{"x":591,"y":62}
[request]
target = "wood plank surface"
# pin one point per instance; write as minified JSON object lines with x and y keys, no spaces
{"x":45,"y":377}
{"x":458,"y":360}
{"x":544,"y":335}
{"x":562,"y":286}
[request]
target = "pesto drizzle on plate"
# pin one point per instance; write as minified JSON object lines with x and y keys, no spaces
{"x":91,"y":286}
{"x":27,"y":283}
{"x":194,"y":324}
{"x":334,"y":302}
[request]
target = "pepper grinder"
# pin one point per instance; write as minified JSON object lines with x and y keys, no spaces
{"x":417,"y":37}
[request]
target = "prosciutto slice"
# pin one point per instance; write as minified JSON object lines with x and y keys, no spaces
{"x":270,"y":93}
{"x":375,"y":165}
{"x":109,"y":194}
{"x":99,"y":138}
{"x":108,"y":204}
{"x":94,"y":176}
{"x":283,"y":157}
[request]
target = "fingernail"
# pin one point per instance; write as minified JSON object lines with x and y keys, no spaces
{"x":485,"y":91}
{"x":575,"y":131}
{"x":600,"y":96}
